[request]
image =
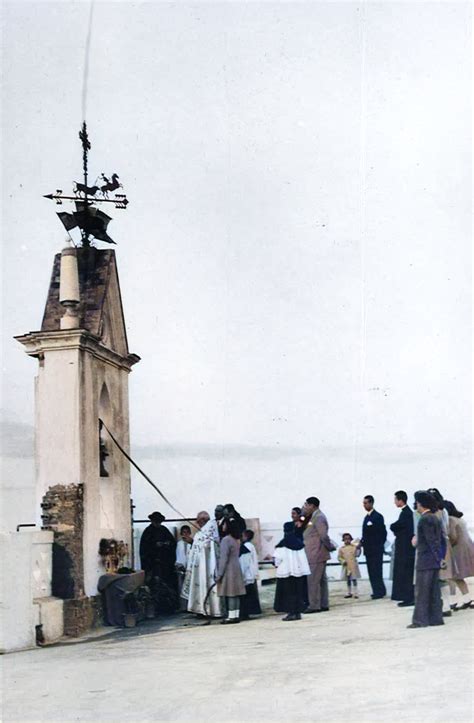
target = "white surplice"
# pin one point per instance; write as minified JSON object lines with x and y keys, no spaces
{"x":249,"y":564}
{"x":200,"y":572}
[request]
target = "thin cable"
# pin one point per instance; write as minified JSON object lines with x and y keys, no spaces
{"x":363,"y":224}
{"x":85,"y":78}
{"x":146,"y":476}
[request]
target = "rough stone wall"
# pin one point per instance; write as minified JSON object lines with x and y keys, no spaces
{"x":82,"y":615}
{"x":63,"y":513}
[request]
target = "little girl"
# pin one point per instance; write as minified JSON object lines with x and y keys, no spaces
{"x":347,"y":556}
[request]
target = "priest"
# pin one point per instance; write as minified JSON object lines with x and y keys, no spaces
{"x":404,"y":564}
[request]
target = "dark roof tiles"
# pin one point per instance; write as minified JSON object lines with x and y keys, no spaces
{"x":95,"y":267}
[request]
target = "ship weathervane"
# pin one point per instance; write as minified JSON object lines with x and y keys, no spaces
{"x":90,"y":220}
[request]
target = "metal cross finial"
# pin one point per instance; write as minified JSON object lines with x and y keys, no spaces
{"x":91,"y":221}
{"x":86,"y":146}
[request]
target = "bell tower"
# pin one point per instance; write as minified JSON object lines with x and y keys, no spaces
{"x":83,"y":368}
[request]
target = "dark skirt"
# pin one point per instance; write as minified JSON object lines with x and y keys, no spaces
{"x":250,"y":602}
{"x":290,"y":594}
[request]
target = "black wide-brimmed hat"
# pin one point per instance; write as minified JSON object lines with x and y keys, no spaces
{"x":156,"y":517}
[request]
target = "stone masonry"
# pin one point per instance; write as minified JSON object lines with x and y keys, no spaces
{"x":63,"y":514}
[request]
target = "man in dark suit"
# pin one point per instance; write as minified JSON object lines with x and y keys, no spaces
{"x":404,"y":564}
{"x":429,"y":553}
{"x":374,"y":534}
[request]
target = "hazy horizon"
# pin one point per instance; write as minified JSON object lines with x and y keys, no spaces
{"x":295,"y":260}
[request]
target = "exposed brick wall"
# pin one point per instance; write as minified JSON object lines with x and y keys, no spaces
{"x":82,"y":614}
{"x":63,"y":512}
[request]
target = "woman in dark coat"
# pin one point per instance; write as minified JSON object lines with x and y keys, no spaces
{"x":158,"y":559}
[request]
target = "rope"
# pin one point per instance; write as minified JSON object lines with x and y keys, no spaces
{"x":206,"y":600}
{"x":163,"y":497}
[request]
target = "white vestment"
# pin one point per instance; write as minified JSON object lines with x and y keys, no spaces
{"x":200,"y":572}
{"x":183,"y":550}
{"x":249,"y":564}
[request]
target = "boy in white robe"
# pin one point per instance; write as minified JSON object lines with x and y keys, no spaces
{"x":250,"y":603}
{"x":183,"y":549}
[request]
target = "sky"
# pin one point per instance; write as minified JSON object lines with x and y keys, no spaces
{"x":295,"y":260}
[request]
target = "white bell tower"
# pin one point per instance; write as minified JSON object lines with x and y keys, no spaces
{"x":84,"y":364}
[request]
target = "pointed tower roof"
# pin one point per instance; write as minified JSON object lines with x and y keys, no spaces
{"x":100,"y":308}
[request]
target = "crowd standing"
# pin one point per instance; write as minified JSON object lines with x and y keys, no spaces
{"x":213,"y":570}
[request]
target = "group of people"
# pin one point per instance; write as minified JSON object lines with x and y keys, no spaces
{"x":215,"y":572}
{"x":433,"y":554}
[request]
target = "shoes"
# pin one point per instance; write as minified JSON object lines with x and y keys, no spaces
{"x":433,"y":625}
{"x":308,"y":611}
{"x":323,"y":610}
{"x":405,"y":604}
{"x":232,"y":621}
{"x":356,"y":597}
{"x":416,"y":625}
{"x":289,"y":617}
{"x":467,"y":605}
{"x":377,"y":597}
{"x":447,"y":614}
{"x":348,"y":595}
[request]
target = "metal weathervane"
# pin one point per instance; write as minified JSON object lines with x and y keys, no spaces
{"x":91,"y":220}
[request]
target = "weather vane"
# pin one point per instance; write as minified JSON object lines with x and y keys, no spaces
{"x":91,"y":220}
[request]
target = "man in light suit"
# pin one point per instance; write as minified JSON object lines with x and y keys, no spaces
{"x":317,"y":545}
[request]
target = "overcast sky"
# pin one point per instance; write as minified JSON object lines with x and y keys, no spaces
{"x":295,"y":260}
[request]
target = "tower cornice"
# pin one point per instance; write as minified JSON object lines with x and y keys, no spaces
{"x":37,"y":343}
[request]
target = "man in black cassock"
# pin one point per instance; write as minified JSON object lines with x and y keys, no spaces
{"x":158,"y":558}
{"x":374,"y":534}
{"x":403,"y":567}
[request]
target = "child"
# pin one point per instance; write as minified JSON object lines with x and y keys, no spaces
{"x":250,"y":603}
{"x":183,"y":548}
{"x":230,"y":583}
{"x":347,"y":556}
{"x":292,"y":568}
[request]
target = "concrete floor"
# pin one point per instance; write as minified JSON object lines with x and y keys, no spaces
{"x":356,"y":663}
